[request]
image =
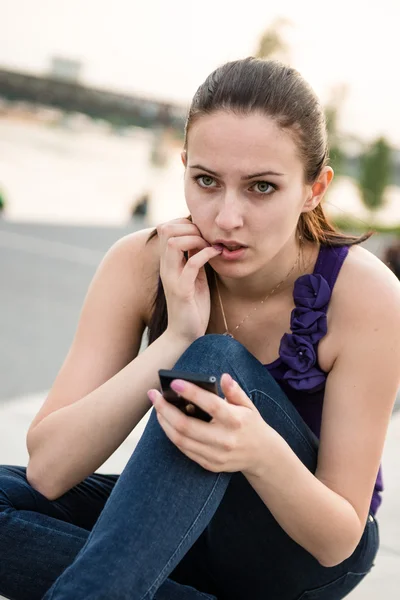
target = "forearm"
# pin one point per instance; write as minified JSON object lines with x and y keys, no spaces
{"x":314,"y":516}
{"x":72,"y":442}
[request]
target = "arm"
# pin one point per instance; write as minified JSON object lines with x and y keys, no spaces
{"x":94,"y":427}
{"x":99,"y":394}
{"x":326,"y":513}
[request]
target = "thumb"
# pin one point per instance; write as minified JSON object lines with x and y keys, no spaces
{"x":233,"y":392}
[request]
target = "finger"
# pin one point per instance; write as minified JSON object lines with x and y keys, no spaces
{"x":177,"y":221}
{"x":233,"y":392}
{"x":185,"y":243}
{"x":200,"y":451}
{"x":211,"y":403}
{"x":191,"y":449}
{"x":185,"y":443}
{"x":184,"y":425}
{"x":195,"y":263}
{"x":174,"y":259}
{"x":177,"y":227}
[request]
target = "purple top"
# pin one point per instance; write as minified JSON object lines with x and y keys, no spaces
{"x":297,"y":370}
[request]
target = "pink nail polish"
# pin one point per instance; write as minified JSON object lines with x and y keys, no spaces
{"x":178,"y":385}
{"x":230,"y":380}
{"x":152,"y":396}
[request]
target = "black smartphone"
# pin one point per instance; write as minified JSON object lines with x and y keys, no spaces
{"x":207,"y":382}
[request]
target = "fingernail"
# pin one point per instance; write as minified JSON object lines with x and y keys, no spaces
{"x":152,"y":396}
{"x":178,"y":385}
{"x":229,"y":380}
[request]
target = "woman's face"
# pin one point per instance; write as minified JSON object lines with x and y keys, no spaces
{"x":244,"y":183}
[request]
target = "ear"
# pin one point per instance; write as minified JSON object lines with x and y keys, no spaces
{"x":318,"y":189}
{"x":184,"y":158}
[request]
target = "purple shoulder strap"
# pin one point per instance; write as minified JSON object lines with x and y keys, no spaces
{"x":329,"y":262}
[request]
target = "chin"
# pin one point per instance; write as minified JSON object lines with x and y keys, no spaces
{"x":235,"y":270}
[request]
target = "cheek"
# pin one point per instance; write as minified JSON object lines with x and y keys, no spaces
{"x":200,"y":217}
{"x":274,"y":221}
{"x":198,"y":206}
{"x":190,"y":195}
{"x":266,"y":215}
{"x":186,"y":189}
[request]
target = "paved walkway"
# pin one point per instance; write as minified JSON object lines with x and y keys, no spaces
{"x":384,"y":580}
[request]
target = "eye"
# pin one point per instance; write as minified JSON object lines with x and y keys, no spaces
{"x":264,"y":187}
{"x":204,"y":181}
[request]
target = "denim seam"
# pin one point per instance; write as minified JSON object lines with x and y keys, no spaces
{"x":303,"y":439}
{"x":71,"y":535}
{"x":185,"y":537}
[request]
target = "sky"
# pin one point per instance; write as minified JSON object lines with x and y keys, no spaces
{"x":166,"y":48}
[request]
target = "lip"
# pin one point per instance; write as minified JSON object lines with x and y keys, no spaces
{"x":228,"y":243}
{"x":232,"y":255}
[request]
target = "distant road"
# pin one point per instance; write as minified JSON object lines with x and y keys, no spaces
{"x":45,"y":271}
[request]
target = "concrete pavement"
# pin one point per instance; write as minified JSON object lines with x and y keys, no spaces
{"x":45,"y":271}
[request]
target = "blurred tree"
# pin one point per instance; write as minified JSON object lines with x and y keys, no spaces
{"x":376,"y":166}
{"x":272,"y":43}
{"x":2,"y":203}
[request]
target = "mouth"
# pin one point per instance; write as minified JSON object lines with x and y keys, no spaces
{"x":229,"y":246}
{"x":230,"y":251}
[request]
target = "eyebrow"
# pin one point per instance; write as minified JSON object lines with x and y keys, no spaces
{"x":244,"y":178}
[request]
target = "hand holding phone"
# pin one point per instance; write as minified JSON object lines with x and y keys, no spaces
{"x":207,"y":382}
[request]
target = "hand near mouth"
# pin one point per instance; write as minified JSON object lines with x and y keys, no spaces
{"x":184,"y":280}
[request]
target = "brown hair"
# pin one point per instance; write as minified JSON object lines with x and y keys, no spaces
{"x":279,"y":92}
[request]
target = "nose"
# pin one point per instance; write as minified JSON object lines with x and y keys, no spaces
{"x":230,"y":213}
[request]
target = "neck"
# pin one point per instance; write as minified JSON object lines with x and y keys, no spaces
{"x":255,"y":287}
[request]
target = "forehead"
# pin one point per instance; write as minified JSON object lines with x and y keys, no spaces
{"x":224,"y":141}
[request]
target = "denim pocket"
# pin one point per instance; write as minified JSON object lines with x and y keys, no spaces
{"x":335,"y":590}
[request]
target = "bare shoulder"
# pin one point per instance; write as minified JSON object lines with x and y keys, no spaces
{"x":366,"y":292}
{"x":362,"y":272}
{"x":141,"y":248}
{"x":140,"y":253}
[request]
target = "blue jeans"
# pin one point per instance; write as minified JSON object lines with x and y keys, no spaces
{"x":166,"y":528}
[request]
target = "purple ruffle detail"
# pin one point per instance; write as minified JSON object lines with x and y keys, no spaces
{"x":297,"y":352}
{"x":311,"y":291}
{"x":313,"y":379}
{"x":308,"y":324}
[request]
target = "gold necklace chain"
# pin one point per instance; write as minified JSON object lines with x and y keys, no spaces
{"x":227,"y":332}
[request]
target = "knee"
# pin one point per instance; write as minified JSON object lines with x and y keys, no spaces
{"x":214,"y":352}
{"x":12,"y":483}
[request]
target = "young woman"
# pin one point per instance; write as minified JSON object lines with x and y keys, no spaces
{"x":276,"y":496}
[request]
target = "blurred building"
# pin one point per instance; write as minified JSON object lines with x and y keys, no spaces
{"x":65,"y":69}
{"x":61,"y":89}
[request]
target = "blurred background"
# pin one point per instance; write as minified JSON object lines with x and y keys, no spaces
{"x":93,"y":100}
